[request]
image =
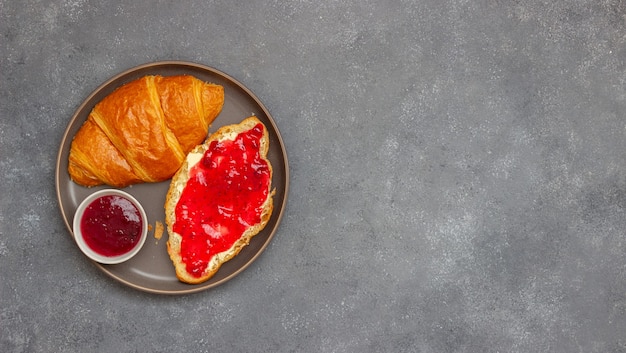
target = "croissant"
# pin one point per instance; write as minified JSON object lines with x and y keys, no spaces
{"x":143,"y":130}
{"x":219,"y":200}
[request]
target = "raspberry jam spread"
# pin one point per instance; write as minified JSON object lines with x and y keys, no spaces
{"x":223,"y":197}
{"x":111,"y":225}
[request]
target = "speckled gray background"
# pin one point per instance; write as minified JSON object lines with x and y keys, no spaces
{"x":458,"y":175}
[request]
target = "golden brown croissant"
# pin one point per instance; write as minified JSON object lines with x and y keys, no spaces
{"x":143,"y":130}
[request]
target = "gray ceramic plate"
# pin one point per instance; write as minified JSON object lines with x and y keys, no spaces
{"x":151,"y":270}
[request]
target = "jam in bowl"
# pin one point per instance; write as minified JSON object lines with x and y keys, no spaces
{"x":110,"y":226}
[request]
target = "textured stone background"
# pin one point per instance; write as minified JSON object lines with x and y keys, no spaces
{"x":458,"y":176}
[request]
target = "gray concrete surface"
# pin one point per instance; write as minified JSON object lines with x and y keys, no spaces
{"x":458,"y":176}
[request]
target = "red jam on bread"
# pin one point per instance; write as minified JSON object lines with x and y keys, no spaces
{"x":223,"y":197}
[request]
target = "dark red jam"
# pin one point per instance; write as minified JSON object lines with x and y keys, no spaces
{"x":111,"y":225}
{"x":223,"y":197}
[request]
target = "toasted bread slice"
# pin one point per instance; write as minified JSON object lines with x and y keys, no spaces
{"x":203,"y":261}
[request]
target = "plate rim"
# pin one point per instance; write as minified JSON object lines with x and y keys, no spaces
{"x":182,"y":64}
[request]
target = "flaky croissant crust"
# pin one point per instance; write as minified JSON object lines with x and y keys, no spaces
{"x":143,"y":130}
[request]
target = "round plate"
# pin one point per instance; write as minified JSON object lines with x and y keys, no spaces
{"x":151,"y":270}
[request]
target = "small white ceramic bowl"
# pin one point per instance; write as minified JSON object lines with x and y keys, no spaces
{"x":80,"y":240}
